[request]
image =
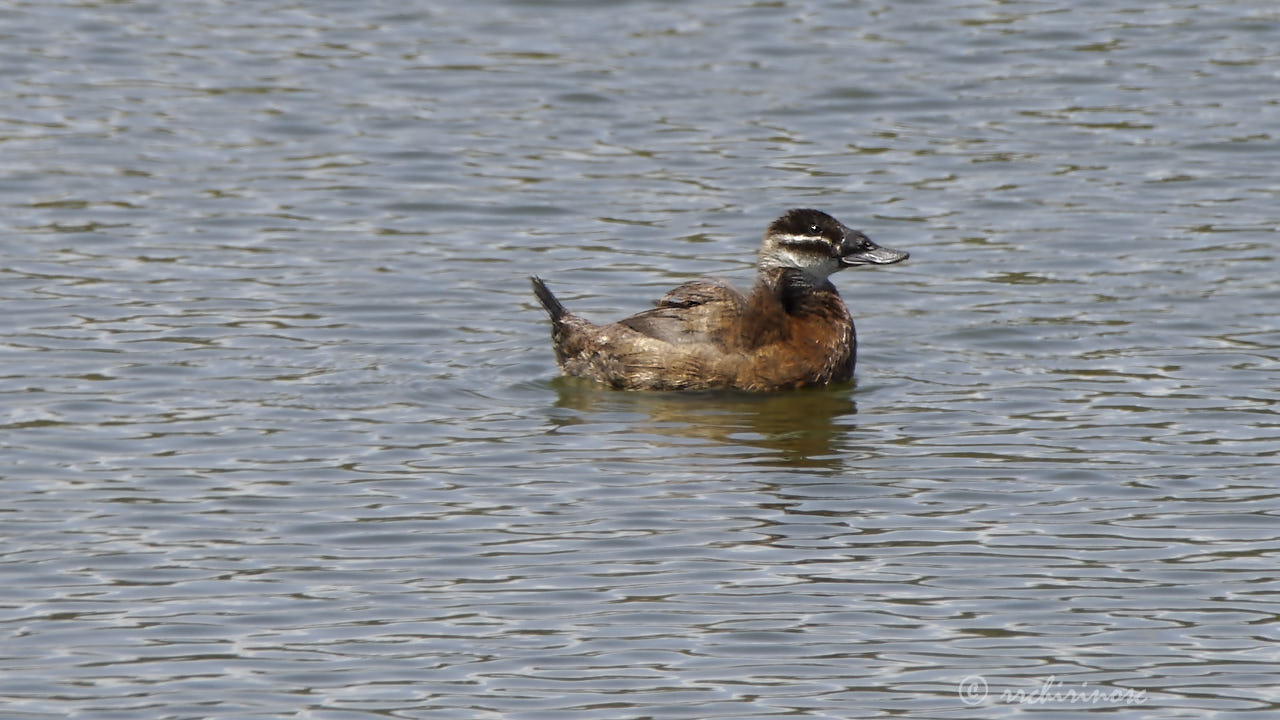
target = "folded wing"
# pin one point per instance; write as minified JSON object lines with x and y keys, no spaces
{"x":701,"y":311}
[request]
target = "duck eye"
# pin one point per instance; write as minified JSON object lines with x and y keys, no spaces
{"x":813,"y":229}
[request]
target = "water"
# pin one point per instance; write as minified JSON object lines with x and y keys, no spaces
{"x":283,"y":435}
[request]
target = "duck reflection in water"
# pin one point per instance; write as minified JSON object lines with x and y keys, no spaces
{"x":804,"y":429}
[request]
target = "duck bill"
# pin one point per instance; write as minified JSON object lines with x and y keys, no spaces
{"x":874,"y":255}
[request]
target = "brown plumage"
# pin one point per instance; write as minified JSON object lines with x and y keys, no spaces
{"x":790,"y":331}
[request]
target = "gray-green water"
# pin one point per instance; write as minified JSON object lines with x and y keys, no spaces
{"x":282,"y":433}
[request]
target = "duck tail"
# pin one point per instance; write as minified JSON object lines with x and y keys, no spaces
{"x":548,"y":300}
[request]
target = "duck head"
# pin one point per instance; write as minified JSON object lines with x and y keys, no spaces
{"x":818,"y":245}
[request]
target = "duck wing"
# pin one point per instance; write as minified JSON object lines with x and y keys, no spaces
{"x":701,"y":311}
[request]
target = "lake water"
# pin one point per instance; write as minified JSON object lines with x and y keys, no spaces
{"x":283,"y":436}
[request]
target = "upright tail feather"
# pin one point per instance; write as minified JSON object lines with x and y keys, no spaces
{"x":548,"y":300}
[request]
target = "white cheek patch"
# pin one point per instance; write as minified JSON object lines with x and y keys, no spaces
{"x":818,"y":267}
{"x":789,"y":239}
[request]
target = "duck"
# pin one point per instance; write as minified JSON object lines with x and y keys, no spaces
{"x":792,"y":330}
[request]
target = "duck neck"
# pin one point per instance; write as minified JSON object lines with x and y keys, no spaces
{"x":800,"y":293}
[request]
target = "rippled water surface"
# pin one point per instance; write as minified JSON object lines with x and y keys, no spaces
{"x":283,"y":435}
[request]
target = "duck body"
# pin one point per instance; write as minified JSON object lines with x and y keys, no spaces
{"x":791,"y":330}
